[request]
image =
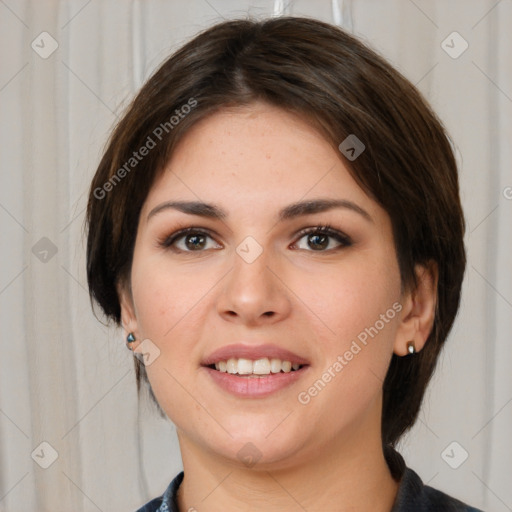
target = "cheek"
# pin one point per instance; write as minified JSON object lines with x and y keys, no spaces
{"x":350,"y":297}
{"x":354,"y":360}
{"x":360,"y":301}
{"x":153,"y":305}
{"x":163,"y":295}
{"x":358,"y":311}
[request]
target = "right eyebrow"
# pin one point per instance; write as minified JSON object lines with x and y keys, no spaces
{"x":192,"y":208}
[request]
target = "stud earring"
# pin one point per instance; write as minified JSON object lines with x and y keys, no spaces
{"x":130,"y":339}
{"x":410,"y":347}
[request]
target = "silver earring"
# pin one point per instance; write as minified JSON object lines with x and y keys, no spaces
{"x":410,"y":347}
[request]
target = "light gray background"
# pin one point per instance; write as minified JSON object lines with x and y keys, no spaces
{"x":67,"y":380}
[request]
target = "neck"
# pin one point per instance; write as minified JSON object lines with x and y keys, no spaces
{"x":346,"y":474}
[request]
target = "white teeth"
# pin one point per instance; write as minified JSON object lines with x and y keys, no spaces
{"x":275,"y":365}
{"x":244,"y":366}
{"x":263,"y":366}
{"x":232,"y":366}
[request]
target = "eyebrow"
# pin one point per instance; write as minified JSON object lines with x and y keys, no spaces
{"x":291,"y":211}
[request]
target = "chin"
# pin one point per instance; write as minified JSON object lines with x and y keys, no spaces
{"x":260,"y":449}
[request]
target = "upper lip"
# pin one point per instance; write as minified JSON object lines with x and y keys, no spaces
{"x":253,"y":352}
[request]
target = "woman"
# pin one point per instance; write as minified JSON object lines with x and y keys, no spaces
{"x":276,"y":224}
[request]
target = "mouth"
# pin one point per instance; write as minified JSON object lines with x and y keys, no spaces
{"x":254,"y":385}
{"x":254,"y":371}
{"x":258,"y":368}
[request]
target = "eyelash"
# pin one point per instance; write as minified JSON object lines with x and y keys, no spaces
{"x":325,"y":229}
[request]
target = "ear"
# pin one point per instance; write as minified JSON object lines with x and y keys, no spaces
{"x":418,"y":310}
{"x":128,"y":316}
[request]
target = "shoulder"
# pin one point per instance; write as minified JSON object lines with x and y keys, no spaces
{"x":151,"y":506}
{"x":413,"y":496}
{"x":167,"y":501}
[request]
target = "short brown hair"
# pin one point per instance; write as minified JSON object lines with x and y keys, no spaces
{"x":341,"y":87}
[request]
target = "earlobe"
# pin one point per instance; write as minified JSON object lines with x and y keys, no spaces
{"x":418,"y":312}
{"x":411,"y":347}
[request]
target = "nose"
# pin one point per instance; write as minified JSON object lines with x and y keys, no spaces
{"x":254,"y":292}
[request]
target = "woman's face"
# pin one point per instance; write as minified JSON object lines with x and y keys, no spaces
{"x":252,"y":278}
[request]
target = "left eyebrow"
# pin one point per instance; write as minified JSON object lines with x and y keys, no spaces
{"x":291,"y":211}
{"x":320,"y":205}
{"x":192,"y":208}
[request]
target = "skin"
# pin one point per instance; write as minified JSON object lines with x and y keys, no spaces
{"x":327,"y":454}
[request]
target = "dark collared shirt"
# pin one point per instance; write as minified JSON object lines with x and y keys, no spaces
{"x":412,"y":495}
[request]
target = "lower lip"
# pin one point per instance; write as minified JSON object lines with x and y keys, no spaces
{"x":255,"y":387}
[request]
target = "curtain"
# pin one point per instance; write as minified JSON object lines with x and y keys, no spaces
{"x":72,"y":433}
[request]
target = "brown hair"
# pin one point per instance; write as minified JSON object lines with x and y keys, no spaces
{"x":340,"y":86}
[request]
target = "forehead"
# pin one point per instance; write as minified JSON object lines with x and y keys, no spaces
{"x":256,"y":156}
{"x":266,"y":133}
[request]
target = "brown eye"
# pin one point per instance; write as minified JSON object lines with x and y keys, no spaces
{"x":318,"y":238}
{"x":318,"y":241}
{"x":194,"y":242}
{"x":193,"y":239}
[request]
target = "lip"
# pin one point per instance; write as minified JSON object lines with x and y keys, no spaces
{"x":252,"y":352}
{"x":254,"y":387}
